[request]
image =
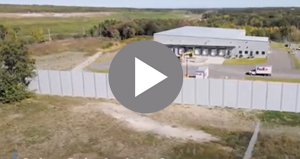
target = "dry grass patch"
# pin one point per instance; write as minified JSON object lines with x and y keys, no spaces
{"x":56,"y":127}
{"x":62,"y":61}
{"x":61,"y":127}
{"x":66,"y":54}
{"x":89,"y":46}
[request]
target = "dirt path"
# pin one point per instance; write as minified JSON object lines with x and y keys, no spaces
{"x":145,"y":124}
{"x":87,"y":62}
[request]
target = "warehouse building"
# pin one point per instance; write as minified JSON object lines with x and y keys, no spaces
{"x":214,"y":42}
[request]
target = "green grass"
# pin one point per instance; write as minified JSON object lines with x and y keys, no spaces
{"x":271,"y":79}
{"x":75,"y":25}
{"x":281,"y":118}
{"x":244,"y":61}
{"x":279,"y":46}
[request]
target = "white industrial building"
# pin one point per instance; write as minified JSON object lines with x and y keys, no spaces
{"x":209,"y":41}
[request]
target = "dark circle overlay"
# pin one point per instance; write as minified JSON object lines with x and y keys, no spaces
{"x":122,"y":76}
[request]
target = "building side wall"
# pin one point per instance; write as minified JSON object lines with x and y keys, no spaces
{"x":243,"y":47}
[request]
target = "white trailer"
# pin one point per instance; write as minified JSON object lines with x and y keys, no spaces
{"x":202,"y":72}
{"x":261,"y":70}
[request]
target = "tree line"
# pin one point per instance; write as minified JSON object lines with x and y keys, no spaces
{"x":279,"y":24}
{"x":253,"y":25}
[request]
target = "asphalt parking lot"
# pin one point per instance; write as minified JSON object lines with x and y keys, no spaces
{"x":279,"y":59}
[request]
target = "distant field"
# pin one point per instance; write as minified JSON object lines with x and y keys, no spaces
{"x":8,"y":8}
{"x":76,"y":25}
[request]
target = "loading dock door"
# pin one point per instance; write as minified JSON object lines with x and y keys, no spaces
{"x":197,"y":52}
{"x":222,"y":52}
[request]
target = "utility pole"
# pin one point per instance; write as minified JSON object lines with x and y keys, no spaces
{"x":83,"y":30}
{"x":49,"y":35}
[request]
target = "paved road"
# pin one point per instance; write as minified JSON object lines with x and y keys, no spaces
{"x":279,"y":59}
{"x":102,"y":66}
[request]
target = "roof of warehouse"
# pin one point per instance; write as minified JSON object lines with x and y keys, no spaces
{"x":209,"y":32}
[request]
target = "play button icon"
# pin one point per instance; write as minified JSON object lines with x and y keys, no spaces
{"x":145,"y":76}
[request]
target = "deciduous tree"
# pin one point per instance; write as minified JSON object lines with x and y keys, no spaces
{"x":17,"y":67}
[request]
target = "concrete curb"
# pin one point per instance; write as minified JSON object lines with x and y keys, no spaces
{"x":87,"y":62}
{"x":248,"y":153}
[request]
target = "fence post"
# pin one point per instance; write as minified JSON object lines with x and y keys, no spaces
{"x":107,"y":85}
{"x":237,"y":94}
{"x":267,"y":92}
{"x":182,"y":92}
{"x":223,"y":92}
{"x":297,"y":94}
{"x":281,"y":95}
{"x":72,"y":82}
{"x":61,"y":85}
{"x":49,"y":82}
{"x":39,"y":82}
{"x":83,"y":85}
{"x":248,"y":153}
{"x":95,"y":84}
{"x":208,"y":94}
{"x":195,"y":91}
{"x":251,"y":104}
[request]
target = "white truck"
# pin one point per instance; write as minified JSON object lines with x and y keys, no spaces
{"x":202,"y":72}
{"x":261,"y":70}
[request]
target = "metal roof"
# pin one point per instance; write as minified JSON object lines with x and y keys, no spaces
{"x":209,"y":32}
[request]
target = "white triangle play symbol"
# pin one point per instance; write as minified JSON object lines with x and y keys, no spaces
{"x":146,"y":77}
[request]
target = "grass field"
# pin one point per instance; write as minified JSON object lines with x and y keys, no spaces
{"x":111,"y":52}
{"x":61,"y":127}
{"x":244,"y":61}
{"x":66,"y":54}
{"x":9,"y":8}
{"x":279,"y":46}
{"x":75,"y":25}
{"x":271,"y":79}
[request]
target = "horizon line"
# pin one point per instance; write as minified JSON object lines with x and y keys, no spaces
{"x":149,"y":8}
